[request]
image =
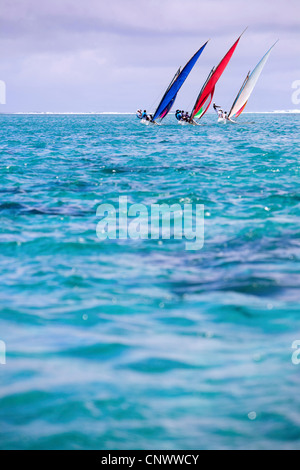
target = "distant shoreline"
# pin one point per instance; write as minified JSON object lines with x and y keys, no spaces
{"x":295,"y":111}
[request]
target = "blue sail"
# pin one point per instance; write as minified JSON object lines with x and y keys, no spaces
{"x":171,"y":93}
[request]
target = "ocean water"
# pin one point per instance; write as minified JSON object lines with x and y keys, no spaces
{"x":142,"y":344}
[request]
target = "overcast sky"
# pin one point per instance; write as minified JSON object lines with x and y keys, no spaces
{"x":118,"y":55}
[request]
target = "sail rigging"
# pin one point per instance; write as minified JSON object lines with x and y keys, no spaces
{"x":170,"y":95}
{"x":207,"y":93}
{"x":248,"y":87}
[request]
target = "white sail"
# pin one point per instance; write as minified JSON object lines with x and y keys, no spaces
{"x":249,"y":86}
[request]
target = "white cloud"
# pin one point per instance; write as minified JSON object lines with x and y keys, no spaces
{"x":124,"y":51}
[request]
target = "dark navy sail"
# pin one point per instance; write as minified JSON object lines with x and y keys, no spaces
{"x":170,"y":96}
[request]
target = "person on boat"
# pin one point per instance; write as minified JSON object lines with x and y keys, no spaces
{"x":139,"y":113}
{"x":178,"y":115}
{"x":216,"y":108}
{"x":183,"y":116}
{"x":219,"y":111}
{"x":224,"y":116}
{"x":227,"y":118}
{"x":187,"y":117}
{"x":145,"y":115}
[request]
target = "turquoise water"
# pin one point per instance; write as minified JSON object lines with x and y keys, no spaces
{"x":142,"y":344}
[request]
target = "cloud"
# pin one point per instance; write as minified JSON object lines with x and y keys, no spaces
{"x":116,"y":53}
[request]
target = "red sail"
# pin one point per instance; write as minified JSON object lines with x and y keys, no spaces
{"x":208,"y":89}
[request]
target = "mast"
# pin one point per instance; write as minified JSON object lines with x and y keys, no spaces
{"x":169,"y":88}
{"x":239,"y":93}
{"x":203,"y":88}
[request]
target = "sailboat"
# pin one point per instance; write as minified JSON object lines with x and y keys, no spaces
{"x":248,"y":86}
{"x":206,"y":95}
{"x":171,"y":93}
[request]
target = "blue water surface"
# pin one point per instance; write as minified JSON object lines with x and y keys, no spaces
{"x":143,"y":344}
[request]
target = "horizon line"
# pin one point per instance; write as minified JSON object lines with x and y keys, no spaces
{"x":107,"y":113}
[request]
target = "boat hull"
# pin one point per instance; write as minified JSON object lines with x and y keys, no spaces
{"x":185,"y":123}
{"x":149,"y":123}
